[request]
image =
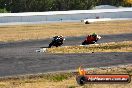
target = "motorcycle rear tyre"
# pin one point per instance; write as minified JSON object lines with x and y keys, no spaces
{"x":84,"y":43}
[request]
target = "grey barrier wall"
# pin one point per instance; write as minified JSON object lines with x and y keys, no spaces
{"x":65,"y":17}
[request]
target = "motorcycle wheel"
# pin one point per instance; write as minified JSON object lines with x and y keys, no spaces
{"x":50,"y":45}
{"x":84,"y":43}
{"x":59,"y":44}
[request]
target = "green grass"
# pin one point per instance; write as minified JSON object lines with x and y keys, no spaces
{"x":56,"y":77}
{"x":59,"y":77}
{"x":72,"y":87}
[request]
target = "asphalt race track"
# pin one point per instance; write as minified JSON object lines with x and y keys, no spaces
{"x":20,"y":58}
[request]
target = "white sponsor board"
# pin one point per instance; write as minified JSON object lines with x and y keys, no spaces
{"x":105,"y":19}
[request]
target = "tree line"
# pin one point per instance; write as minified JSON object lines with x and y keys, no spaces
{"x":16,"y":6}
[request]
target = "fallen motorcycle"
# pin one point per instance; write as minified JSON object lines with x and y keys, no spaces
{"x":91,"y":40}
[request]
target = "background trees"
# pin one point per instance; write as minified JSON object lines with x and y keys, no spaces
{"x":56,"y":5}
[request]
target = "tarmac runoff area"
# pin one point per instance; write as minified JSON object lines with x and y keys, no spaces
{"x":19,"y":58}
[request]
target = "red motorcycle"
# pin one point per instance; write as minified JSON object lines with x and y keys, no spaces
{"x":91,"y":39}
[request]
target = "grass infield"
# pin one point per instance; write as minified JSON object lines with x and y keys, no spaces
{"x":125,"y":46}
{"x":42,"y":31}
